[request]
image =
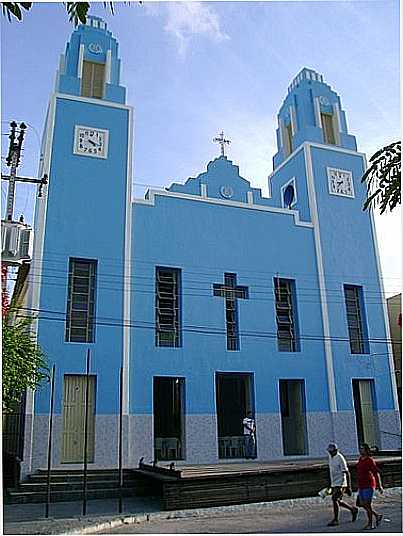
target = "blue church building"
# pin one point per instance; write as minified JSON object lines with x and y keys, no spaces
{"x":213,"y":299}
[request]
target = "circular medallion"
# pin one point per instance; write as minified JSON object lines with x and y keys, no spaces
{"x":95,"y":48}
{"x":226,"y":191}
{"x":324,"y":101}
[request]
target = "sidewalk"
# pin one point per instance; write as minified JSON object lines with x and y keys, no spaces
{"x":66,"y":518}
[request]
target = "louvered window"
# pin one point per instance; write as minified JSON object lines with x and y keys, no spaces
{"x":328,"y":128}
{"x":355,"y":319}
{"x":80,"y":321}
{"x":285,"y":315}
{"x":167,"y":307}
{"x":92,"y":83}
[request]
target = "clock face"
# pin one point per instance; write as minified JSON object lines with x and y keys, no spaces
{"x":91,"y":142}
{"x":340,"y":182}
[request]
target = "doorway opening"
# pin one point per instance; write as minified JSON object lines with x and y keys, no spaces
{"x":169,"y":418}
{"x":293,"y":417}
{"x":364,"y":411}
{"x":234,"y":398}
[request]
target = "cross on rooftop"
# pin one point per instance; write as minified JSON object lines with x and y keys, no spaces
{"x":222,"y":141}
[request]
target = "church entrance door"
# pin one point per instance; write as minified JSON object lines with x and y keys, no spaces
{"x":74,"y":393}
{"x":169,"y":418}
{"x":364,"y":412}
{"x":234,"y":398}
{"x":293,"y":421}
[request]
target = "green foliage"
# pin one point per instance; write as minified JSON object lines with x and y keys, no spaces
{"x":77,"y":11}
{"x":24,"y":364}
{"x":383,"y":178}
{"x":13,"y":9}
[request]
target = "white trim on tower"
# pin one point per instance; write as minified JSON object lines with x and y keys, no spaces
{"x":80,"y":64}
{"x":108,"y":66}
{"x":321,"y":277}
{"x":127,"y":267}
{"x":35,"y":273}
{"x":318,"y":119}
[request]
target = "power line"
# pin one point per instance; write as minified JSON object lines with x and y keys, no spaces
{"x":270,"y":298}
{"x":207,"y":330}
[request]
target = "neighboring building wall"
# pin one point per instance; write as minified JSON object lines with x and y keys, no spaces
{"x":395,"y":326}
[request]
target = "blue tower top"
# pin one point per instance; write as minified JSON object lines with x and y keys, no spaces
{"x":311,"y":112}
{"x":90,"y":67}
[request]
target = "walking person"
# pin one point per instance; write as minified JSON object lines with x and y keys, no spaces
{"x":368,"y":479}
{"x":340,"y":482}
{"x":249,"y":433}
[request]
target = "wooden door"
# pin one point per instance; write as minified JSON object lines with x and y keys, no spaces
{"x":74,"y":392}
{"x":293,"y":421}
{"x":367,"y":412}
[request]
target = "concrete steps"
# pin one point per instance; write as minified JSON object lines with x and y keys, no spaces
{"x":67,"y":485}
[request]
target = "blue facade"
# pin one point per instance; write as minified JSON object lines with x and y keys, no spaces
{"x":204,"y":231}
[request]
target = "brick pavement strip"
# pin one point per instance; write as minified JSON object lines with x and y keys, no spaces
{"x":91,"y":525}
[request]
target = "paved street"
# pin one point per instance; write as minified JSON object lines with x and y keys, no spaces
{"x":298,"y":519}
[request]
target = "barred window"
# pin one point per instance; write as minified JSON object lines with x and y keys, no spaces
{"x":285,"y":315}
{"x":80,"y":317}
{"x":167,"y":307}
{"x":355,"y":319}
{"x":92,"y":84}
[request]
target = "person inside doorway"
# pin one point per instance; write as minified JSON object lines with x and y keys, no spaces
{"x":340,"y":482}
{"x":249,"y":433}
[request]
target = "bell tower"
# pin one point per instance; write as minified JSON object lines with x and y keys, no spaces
{"x":317,"y":172}
{"x":311,"y":112}
{"x":81,"y":269}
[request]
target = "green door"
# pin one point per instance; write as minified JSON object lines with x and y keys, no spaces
{"x":74,"y":418}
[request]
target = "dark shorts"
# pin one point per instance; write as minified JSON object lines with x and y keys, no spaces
{"x":365,"y":495}
{"x":337,"y":493}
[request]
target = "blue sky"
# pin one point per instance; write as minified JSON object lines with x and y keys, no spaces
{"x":194,"y":68}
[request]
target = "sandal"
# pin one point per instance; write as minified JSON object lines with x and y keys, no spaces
{"x":368,"y":527}
{"x":333,"y":523}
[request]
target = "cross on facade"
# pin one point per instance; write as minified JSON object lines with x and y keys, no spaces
{"x":231,"y":292}
{"x":222,"y":141}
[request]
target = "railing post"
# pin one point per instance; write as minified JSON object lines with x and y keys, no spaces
{"x":120,"y":441}
{"x":86,"y":434}
{"x":52,"y":395}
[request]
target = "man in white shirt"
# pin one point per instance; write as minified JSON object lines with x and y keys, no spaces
{"x":340,"y":482}
{"x":249,"y":430}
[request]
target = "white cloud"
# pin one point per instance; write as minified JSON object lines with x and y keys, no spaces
{"x":187,"y":19}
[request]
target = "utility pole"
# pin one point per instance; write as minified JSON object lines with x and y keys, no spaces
{"x":17,"y":237}
{"x":13,"y":161}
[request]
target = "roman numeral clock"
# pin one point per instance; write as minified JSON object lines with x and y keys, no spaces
{"x":89,"y":141}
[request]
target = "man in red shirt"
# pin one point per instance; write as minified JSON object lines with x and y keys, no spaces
{"x":368,"y":479}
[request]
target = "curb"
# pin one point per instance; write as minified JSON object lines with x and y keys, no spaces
{"x":208,"y":512}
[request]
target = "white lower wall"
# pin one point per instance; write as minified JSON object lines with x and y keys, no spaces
{"x":201,"y":445}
